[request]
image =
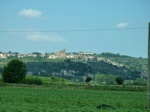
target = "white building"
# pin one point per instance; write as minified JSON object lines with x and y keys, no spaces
{"x":2,"y":56}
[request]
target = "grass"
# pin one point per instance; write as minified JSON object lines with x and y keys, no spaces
{"x":40,"y":99}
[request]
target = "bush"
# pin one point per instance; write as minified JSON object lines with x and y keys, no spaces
{"x":88,"y":79}
{"x":119,"y":80}
{"x":140,"y":81}
{"x":32,"y":80}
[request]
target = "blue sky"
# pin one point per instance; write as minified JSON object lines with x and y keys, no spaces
{"x":97,"y":26}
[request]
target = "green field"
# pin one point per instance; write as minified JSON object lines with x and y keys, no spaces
{"x":40,"y":99}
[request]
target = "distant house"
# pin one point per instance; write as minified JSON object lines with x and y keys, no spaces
{"x":52,"y":57}
{"x":86,"y":53}
{"x":70,"y":56}
{"x":10,"y":54}
{"x":2,"y":56}
{"x":101,"y":59}
{"x":21,"y":55}
{"x":32,"y":55}
{"x":64,"y":72}
{"x":90,"y":58}
{"x":43,"y":55}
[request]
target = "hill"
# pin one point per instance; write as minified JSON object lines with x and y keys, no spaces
{"x":74,"y":69}
{"x":135,"y":64}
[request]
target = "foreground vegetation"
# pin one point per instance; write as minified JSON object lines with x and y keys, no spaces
{"x":47,"y":99}
{"x":54,"y":94}
{"x":56,"y":82}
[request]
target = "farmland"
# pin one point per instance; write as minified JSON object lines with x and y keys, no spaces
{"x":46,"y":99}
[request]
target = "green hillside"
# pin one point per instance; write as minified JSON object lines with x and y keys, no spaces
{"x":72,"y":69}
{"x":135,"y":64}
{"x":127,"y":67}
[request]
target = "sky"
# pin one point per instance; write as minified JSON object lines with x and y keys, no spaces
{"x":45,"y":26}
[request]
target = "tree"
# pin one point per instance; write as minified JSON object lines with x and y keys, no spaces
{"x":100,"y":78}
{"x":14,"y":72}
{"x":119,"y":80}
{"x":110,"y":79}
{"x":88,"y":79}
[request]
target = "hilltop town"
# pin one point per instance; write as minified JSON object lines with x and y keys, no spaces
{"x":81,"y":56}
{"x":62,"y":54}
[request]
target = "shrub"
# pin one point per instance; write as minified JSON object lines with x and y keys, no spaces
{"x":119,"y":80}
{"x":32,"y":80}
{"x":140,"y":81}
{"x":88,"y":79}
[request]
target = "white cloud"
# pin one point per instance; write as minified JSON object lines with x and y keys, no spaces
{"x":43,"y":37}
{"x":122,"y":25}
{"x":30,"y":13}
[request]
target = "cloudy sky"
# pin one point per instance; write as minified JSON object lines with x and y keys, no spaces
{"x":117,"y":26}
